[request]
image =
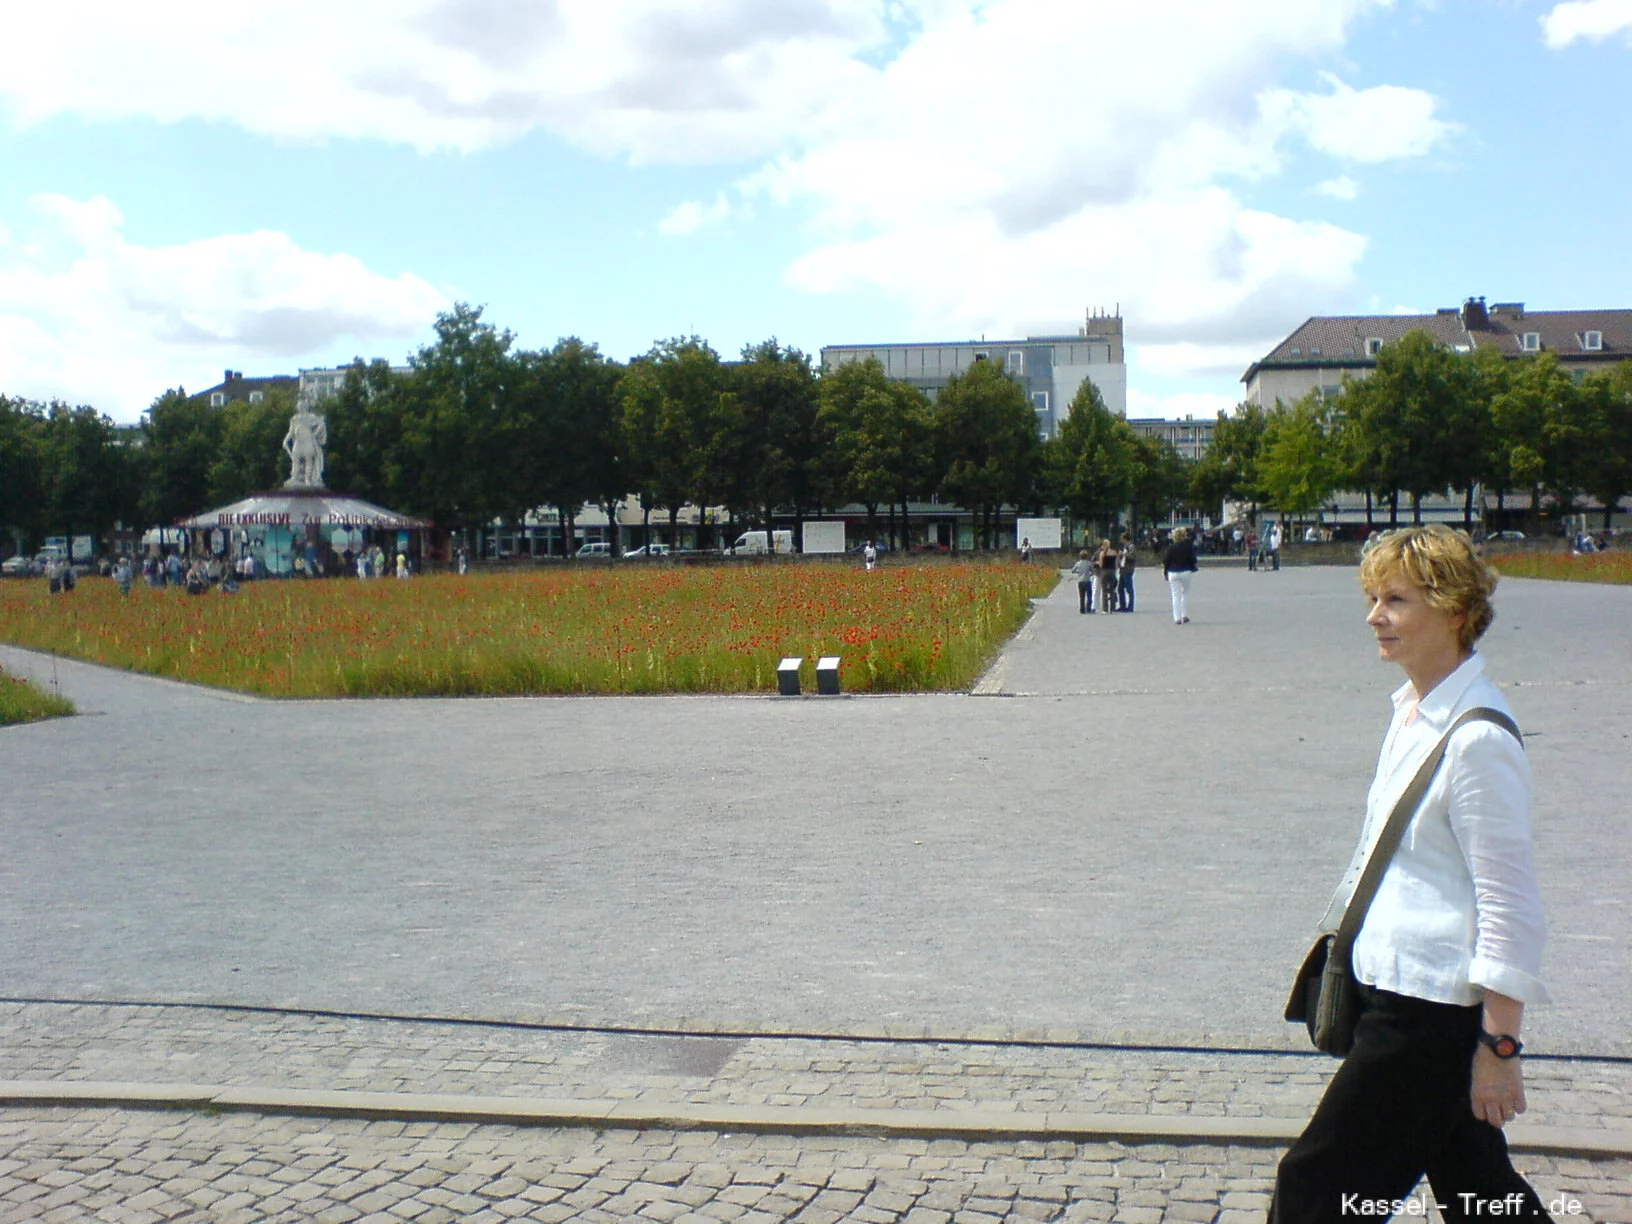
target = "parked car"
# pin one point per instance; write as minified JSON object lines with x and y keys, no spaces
{"x":649,"y":550}
{"x":17,"y":566}
{"x":1507,"y":535}
{"x":598,"y":548}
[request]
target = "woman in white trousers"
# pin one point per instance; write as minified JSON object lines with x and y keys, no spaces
{"x":1178,"y":564}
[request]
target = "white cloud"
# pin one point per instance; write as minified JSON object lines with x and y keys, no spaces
{"x":1594,"y":20}
{"x":1384,"y":123}
{"x":1341,"y":188}
{"x":994,"y":165}
{"x":86,"y":314}
{"x":653,"y":80}
{"x":692,"y":216}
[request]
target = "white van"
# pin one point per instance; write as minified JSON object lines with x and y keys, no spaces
{"x":754,"y":542}
{"x":599,"y":548}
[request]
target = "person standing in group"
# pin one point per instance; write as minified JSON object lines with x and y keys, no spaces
{"x":1449,"y":951}
{"x":1105,"y":564}
{"x":1178,"y":564}
{"x":402,"y":565}
{"x":1127,"y":560}
{"x":1272,"y":545}
{"x":1084,"y":572}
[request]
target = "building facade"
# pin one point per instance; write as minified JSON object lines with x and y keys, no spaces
{"x":1050,"y":369}
{"x":235,"y":388}
{"x":1318,"y":355}
{"x":1190,"y":438}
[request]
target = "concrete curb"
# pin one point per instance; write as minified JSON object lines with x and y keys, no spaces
{"x":970,"y":1125}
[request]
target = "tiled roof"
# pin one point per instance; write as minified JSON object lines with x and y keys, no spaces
{"x":1340,"y":340}
{"x":238,"y":387}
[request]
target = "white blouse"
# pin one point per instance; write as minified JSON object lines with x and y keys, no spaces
{"x":1458,"y":910}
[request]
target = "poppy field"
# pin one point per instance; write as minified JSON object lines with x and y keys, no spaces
{"x":1565,"y":567}
{"x":624,"y":629}
{"x":22,"y":702}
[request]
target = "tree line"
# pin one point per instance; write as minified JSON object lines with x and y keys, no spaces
{"x":479,"y":431}
{"x":1434,"y":421}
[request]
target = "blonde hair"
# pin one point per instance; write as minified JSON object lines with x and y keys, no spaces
{"x":1441,"y":563}
{"x":1181,"y":534}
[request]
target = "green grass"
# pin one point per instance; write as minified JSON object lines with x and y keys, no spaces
{"x":1613,"y":567}
{"x":22,"y":702}
{"x":632,"y":628}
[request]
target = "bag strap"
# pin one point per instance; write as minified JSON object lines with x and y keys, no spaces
{"x":1354,"y":914}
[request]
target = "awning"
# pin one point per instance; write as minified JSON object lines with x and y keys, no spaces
{"x":303,"y":508}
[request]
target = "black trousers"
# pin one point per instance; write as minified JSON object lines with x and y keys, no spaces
{"x":1397,"y":1109}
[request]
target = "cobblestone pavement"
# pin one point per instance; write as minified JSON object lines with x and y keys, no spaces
{"x":158,"y":1045}
{"x":138,"y":1168}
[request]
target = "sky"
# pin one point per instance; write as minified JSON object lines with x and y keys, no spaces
{"x":188,"y":186}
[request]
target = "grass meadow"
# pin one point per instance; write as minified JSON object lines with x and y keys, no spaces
{"x":22,"y":702}
{"x":632,"y":628}
{"x":1564,"y":567}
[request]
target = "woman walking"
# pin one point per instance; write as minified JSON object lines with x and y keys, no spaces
{"x":1449,"y":952}
{"x":1178,"y":564}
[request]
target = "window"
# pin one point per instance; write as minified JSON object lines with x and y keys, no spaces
{"x":1374,"y":345}
{"x":218,"y":399}
{"x":981,"y":356}
{"x":1530,"y":342}
{"x":1592,"y":341}
{"x":1017,"y":361}
{"x":1039,"y":400}
{"x":256,"y":397}
{"x":1297,"y":352}
{"x":1314,"y":352}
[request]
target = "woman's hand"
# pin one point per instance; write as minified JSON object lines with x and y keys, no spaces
{"x":1498,"y":1088}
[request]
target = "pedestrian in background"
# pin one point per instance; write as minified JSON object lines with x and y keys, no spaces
{"x":1084,"y":571}
{"x":1127,"y":559}
{"x":1178,"y":565}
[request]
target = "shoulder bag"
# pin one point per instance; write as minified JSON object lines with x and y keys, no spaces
{"x":1325,"y":994}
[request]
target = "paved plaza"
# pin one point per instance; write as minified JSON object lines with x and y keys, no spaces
{"x":1011,"y":955}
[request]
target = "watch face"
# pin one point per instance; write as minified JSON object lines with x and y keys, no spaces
{"x":1506,"y":1047}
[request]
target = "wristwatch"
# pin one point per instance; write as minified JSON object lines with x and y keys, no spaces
{"x":1504,"y":1046}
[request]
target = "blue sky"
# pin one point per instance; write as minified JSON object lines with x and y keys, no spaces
{"x":187,"y":187}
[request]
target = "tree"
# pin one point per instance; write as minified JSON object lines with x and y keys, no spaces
{"x":1607,"y":396}
{"x":1296,"y":471}
{"x":1540,"y":424}
{"x":82,"y":479}
{"x":986,"y":443}
{"x":671,"y":403}
{"x":1402,"y":420}
{"x":249,"y":454}
{"x":564,"y":432}
{"x":454,"y":465}
{"x":882,"y":439}
{"x":1162,"y":482}
{"x":366,"y":454}
{"x":181,"y":437}
{"x":1093,"y":462}
{"x":22,"y":464}
{"x":781,"y":443}
{"x":1229,"y":470}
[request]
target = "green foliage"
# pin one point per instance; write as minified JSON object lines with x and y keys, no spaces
{"x":181,"y":438}
{"x":1230,"y":468}
{"x":249,"y":455}
{"x":986,"y":443}
{"x":1095,"y":463}
{"x":881,"y":433}
{"x":779,"y":456}
{"x":22,"y":702}
{"x":1296,"y":469}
